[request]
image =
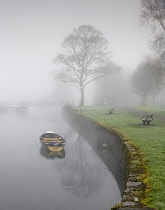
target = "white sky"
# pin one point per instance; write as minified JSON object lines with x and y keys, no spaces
{"x":31,"y":33}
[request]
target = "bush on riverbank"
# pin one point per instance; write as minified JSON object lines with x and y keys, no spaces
{"x":149,"y":139}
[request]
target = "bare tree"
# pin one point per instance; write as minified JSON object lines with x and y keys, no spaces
{"x":154,"y":11}
{"x":85,"y":57}
{"x":158,"y":46}
{"x":146,"y":79}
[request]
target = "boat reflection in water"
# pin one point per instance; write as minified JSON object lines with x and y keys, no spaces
{"x":52,"y":145}
{"x":52,"y":152}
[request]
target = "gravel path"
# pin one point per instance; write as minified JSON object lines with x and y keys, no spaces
{"x":140,"y":113}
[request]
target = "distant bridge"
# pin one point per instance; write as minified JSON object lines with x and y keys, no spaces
{"x":28,"y":104}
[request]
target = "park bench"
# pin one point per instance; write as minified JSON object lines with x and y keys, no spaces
{"x":111,"y":111}
{"x":146,"y":119}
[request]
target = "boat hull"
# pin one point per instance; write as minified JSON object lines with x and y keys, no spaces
{"x":52,"y":140}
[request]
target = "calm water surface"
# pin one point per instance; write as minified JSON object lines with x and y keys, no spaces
{"x":34,"y":179}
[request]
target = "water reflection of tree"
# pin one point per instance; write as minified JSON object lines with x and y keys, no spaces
{"x":81,"y":173}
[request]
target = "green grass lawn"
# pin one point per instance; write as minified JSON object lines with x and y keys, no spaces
{"x":150,"y":140}
{"x":157,"y":109}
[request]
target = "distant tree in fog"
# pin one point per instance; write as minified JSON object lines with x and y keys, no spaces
{"x":85,"y":57}
{"x":146,"y":79}
{"x":112,"y":90}
{"x":153,"y":11}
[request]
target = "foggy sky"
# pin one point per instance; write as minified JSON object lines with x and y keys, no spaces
{"x":31,"y":33}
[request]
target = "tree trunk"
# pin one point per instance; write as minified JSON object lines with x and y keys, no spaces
{"x":82,"y":96}
{"x":144,"y":99}
{"x":153,"y":99}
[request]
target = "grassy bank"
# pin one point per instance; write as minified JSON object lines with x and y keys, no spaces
{"x":149,"y":139}
{"x":159,"y":110}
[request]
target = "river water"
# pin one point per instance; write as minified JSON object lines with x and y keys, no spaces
{"x":34,"y":179}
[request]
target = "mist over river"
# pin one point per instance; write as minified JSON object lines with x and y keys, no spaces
{"x":32,"y":178}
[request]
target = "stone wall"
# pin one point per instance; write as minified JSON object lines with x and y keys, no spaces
{"x":127,"y":164}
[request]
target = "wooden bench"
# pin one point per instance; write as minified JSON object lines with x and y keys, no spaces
{"x":146,"y":119}
{"x":111,"y":111}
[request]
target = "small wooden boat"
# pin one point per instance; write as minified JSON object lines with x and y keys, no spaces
{"x":54,"y":141}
